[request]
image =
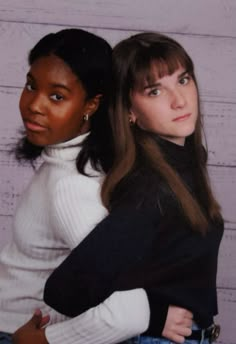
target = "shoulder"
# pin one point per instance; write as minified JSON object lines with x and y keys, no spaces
{"x":86,"y":187}
{"x":141,"y":188}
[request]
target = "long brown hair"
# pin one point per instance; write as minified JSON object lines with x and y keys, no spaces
{"x":133,"y":62}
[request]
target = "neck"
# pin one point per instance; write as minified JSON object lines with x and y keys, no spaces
{"x":178,"y":141}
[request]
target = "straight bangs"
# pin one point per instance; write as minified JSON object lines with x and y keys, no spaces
{"x":159,"y":62}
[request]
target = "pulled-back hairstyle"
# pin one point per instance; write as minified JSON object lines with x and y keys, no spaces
{"x":89,"y":58}
{"x":137,"y":61}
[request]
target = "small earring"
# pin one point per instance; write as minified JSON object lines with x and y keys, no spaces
{"x":86,"y":117}
{"x":131,"y":122}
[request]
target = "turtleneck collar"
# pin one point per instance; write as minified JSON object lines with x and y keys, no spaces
{"x":66,"y":150}
{"x":177,"y":155}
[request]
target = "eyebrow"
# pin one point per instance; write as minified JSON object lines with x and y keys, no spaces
{"x":54,"y":85}
{"x":157,"y":84}
{"x":183,"y":74}
{"x":152,"y":85}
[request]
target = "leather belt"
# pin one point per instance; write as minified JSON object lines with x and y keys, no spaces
{"x":211,"y":333}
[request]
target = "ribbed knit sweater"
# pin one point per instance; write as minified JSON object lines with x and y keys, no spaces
{"x":55,"y":213}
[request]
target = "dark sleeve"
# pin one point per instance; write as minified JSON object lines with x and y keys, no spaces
{"x":89,"y":274}
{"x":157,"y":274}
{"x":148,"y":276}
{"x":158,"y":313}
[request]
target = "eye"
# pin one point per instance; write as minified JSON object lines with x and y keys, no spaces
{"x":185,"y":80}
{"x":57,"y":97}
{"x":29,"y":86}
{"x":154,"y":92}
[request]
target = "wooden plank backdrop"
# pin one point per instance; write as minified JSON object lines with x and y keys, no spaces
{"x":206,"y":28}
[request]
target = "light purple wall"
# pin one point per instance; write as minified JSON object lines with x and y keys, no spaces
{"x":206,"y":28}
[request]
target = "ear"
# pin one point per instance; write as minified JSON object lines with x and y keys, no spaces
{"x":93,"y":104}
{"x":132,"y":117}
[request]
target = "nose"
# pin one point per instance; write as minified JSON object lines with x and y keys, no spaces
{"x":178,"y":99}
{"x":35,"y":104}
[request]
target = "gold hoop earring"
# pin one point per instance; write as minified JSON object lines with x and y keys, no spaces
{"x":86,"y":117}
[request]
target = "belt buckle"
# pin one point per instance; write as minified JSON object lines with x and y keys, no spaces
{"x":215,"y":332}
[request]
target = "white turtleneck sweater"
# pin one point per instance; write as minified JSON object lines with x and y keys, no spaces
{"x":55,"y":213}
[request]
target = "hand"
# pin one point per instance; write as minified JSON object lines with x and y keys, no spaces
{"x":32,"y":332}
{"x":178,"y":324}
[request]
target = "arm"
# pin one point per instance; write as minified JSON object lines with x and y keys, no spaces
{"x":87,"y":279}
{"x":33,"y":331}
{"x":122,"y":316}
{"x":87,"y":276}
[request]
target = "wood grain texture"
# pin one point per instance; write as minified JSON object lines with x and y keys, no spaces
{"x":14,"y":179}
{"x":5,"y":234}
{"x":208,"y":17}
{"x":223,"y":180}
{"x":206,"y":28}
{"x":219,"y":126}
{"x":226,"y":317}
{"x":209,"y":54}
{"x":227,"y":261}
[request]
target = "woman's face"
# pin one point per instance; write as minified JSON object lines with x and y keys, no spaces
{"x":167,"y":107}
{"x":53,"y":102}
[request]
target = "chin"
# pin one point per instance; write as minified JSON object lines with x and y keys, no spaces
{"x":36,"y":141}
{"x":188,"y":131}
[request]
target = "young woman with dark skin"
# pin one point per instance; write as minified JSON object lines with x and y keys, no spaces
{"x":64,"y":110}
{"x":164,"y":228}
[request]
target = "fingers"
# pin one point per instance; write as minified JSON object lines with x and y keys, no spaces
{"x":184,"y":331}
{"x":45,"y":320}
{"x":183,"y":317}
{"x":188,"y":314}
{"x":39,"y":320}
{"x":178,"y":339}
{"x":178,"y":324}
{"x":182,"y":312}
{"x":36,"y":318}
{"x":37,"y":312}
{"x":184,"y":322}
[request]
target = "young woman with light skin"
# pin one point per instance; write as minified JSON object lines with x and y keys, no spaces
{"x":64,"y":110}
{"x":173,"y":95}
{"x":164,"y":227}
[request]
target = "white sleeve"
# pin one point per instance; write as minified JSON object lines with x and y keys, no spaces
{"x":76,"y":208}
{"x":123,"y":315}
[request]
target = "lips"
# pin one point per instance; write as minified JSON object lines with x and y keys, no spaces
{"x":182,"y":118}
{"x":34,"y":126}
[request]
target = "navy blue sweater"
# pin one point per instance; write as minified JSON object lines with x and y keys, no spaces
{"x":145,"y":244}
